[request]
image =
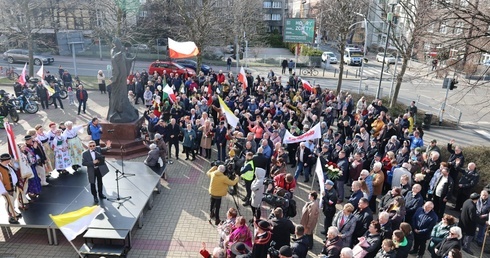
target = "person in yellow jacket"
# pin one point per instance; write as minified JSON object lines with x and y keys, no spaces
{"x":218,"y":187}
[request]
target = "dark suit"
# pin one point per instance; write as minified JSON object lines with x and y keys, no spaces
{"x":220,"y":139}
{"x":95,"y":172}
{"x":303,"y":163}
{"x":173,"y":130}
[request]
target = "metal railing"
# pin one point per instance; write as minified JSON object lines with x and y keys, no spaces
{"x":431,"y":105}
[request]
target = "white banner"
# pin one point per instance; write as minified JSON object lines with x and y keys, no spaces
{"x":313,"y":133}
{"x":319,"y":174}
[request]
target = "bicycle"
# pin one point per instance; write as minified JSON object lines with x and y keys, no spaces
{"x":11,"y":74}
{"x":310,"y":71}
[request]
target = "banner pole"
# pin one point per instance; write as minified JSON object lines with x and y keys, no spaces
{"x":76,"y":250}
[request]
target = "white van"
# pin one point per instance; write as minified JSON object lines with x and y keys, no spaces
{"x":353,"y":56}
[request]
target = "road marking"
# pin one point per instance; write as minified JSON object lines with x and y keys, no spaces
{"x":483,"y":133}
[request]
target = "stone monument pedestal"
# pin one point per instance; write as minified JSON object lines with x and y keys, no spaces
{"x":125,"y":135}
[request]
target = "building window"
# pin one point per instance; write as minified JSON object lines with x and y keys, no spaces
{"x":459,"y":28}
{"x":276,"y":4}
{"x":464,"y":3}
{"x":427,"y":46}
{"x":267,"y":4}
{"x":430,"y":28}
{"x":276,"y":17}
{"x":443,"y":28}
{"x":267,"y":17}
{"x":143,"y":14}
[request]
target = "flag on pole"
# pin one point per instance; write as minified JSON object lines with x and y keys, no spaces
{"x":74,"y":223}
{"x":319,"y":174}
{"x":243,"y":78}
{"x":314,"y":133}
{"x":12,"y":146}
{"x":22,"y":77}
{"x":307,"y":86}
{"x":169,"y":93}
{"x":182,"y":49}
{"x":40,"y":73}
{"x":210,"y":95}
{"x":230,"y":116}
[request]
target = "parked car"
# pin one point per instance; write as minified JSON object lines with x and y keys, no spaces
{"x":170,"y":67}
{"x":140,"y":47}
{"x":206,"y":69}
{"x":22,"y":56}
{"x":331,"y":56}
{"x":390,"y":59}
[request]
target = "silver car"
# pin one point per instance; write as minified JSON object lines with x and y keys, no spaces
{"x":22,"y":56}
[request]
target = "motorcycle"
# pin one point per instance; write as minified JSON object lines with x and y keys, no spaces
{"x":7,"y":108}
{"x":27,"y":101}
{"x":58,"y":82}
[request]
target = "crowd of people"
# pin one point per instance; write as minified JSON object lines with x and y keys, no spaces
{"x":399,"y":186}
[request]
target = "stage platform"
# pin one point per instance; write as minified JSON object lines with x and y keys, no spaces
{"x":71,"y":192}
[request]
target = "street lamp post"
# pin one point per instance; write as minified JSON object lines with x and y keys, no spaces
{"x":364,"y":52}
{"x":390,"y":20}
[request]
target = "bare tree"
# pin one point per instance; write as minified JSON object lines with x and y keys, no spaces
{"x":341,"y":15}
{"x":411,"y":23}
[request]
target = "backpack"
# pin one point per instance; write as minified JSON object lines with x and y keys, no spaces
{"x":292,"y":208}
{"x":88,"y":129}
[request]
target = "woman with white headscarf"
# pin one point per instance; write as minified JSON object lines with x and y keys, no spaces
{"x":75,"y":147}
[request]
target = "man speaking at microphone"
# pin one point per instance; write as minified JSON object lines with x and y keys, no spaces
{"x":96,"y":168}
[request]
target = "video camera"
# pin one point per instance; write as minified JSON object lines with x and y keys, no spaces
{"x":275,"y":200}
{"x":229,"y":167}
{"x":273,"y":252}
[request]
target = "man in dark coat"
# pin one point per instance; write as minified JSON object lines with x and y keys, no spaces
{"x":443,"y":190}
{"x":364,"y":216}
{"x":300,"y":242}
{"x":96,"y":168}
{"x":423,"y":222}
{"x":220,"y":139}
{"x":82,"y":97}
{"x":303,"y":159}
{"x":42,"y":93}
{"x":413,"y":201}
{"x":282,"y":229}
{"x":468,"y":221}
{"x":260,"y":161}
{"x":343,"y":165}
{"x":173,"y":130}
{"x":329,"y":200}
{"x":468,"y":180}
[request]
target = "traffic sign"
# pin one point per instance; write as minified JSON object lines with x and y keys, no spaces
{"x":299,"y":30}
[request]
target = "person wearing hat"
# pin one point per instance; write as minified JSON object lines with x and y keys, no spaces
{"x":96,"y":168}
{"x":239,"y":249}
{"x":262,"y":238}
{"x":468,"y":221}
{"x":8,"y":187}
{"x":329,"y":200}
{"x":24,"y":172}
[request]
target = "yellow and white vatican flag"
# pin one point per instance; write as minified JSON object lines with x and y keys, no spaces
{"x":230,"y":116}
{"x":74,"y":223}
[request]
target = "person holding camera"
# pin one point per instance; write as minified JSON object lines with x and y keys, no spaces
{"x":218,"y":187}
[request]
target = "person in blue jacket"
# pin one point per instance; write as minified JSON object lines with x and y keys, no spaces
{"x":423,"y":221}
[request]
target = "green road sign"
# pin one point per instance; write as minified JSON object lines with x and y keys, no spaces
{"x":299,"y":30}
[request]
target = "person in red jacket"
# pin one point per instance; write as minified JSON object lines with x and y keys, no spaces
{"x":221,"y":77}
{"x":285,"y":181}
